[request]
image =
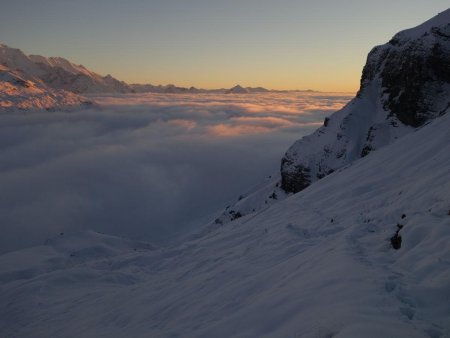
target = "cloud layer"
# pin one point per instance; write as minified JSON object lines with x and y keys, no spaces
{"x":143,"y":166}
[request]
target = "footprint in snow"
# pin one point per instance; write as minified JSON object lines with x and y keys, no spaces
{"x":300,"y":232}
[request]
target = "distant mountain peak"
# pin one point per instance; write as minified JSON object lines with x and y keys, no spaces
{"x":238,"y":89}
{"x":59,"y":73}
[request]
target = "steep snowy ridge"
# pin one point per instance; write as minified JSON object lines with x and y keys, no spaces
{"x":17,"y":93}
{"x":405,"y":83}
{"x":14,"y":59}
{"x":60,"y":62}
{"x":318,"y":264}
{"x":59,"y":73}
{"x":36,"y":82}
{"x":442,"y":19}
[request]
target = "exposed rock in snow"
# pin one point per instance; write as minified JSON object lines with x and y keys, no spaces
{"x":404,"y":84}
{"x":259,"y":198}
{"x":17,"y":93}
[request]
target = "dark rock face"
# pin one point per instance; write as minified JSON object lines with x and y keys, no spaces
{"x":396,"y":240}
{"x":296,"y":179}
{"x":23,"y":83}
{"x":412,"y":73}
{"x":404,"y":84}
{"x":412,"y":79}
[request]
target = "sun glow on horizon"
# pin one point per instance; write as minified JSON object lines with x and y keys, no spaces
{"x":284,"y":45}
{"x":290,"y":77}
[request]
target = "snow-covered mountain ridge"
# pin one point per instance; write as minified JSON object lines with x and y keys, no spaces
{"x":59,"y":73}
{"x":405,"y":84}
{"x":17,"y":93}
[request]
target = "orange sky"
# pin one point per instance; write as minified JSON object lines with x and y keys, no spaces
{"x":320,"y":45}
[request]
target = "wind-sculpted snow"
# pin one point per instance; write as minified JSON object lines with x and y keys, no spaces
{"x":318,"y":264}
{"x":143,"y":166}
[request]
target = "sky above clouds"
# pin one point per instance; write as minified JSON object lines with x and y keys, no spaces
{"x":144,"y":166}
{"x":282,"y":44}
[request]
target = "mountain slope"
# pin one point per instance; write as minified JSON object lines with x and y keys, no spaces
{"x":59,"y":73}
{"x":361,"y":252}
{"x":405,"y":84}
{"x":318,"y":264}
{"x":17,"y":93}
{"x":237,"y":90}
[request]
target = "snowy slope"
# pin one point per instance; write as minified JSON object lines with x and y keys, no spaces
{"x":318,"y":264}
{"x":17,"y":93}
{"x":53,"y":62}
{"x":405,"y":83}
{"x":59,"y":73}
{"x":257,"y":199}
{"x":14,"y":59}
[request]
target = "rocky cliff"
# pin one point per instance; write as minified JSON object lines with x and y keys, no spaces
{"x":405,"y":84}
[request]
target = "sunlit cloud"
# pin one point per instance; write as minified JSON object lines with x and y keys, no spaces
{"x":235,"y":130}
{"x":267,"y":120}
{"x":143,"y":166}
{"x":185,"y":124}
{"x":226,"y":114}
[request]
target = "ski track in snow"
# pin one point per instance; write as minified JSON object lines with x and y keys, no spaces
{"x":318,"y":264}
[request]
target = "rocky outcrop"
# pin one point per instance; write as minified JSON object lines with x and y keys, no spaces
{"x":413,"y":73}
{"x":405,"y":83}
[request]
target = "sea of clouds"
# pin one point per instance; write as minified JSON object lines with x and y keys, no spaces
{"x":144,"y":166}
